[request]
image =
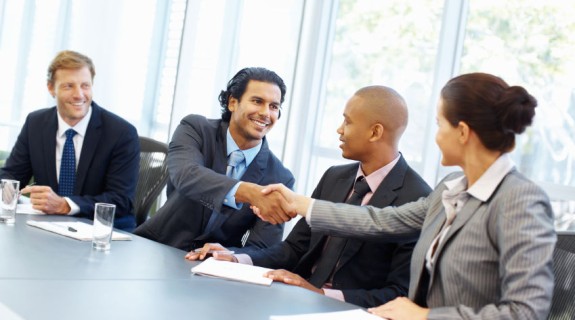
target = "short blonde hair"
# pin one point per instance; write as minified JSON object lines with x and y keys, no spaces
{"x":68,"y":59}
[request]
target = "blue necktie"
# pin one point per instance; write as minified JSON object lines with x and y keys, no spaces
{"x":235,"y":158}
{"x":67,"y":179}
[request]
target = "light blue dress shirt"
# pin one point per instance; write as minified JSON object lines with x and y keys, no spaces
{"x":249,"y":154}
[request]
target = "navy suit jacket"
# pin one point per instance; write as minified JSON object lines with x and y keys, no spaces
{"x":368,"y":273}
{"x":108,"y":166}
{"x":197,"y":161}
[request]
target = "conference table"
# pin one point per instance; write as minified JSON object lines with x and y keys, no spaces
{"x":44,"y":275}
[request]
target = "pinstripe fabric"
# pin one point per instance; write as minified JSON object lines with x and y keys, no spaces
{"x":495,"y":262}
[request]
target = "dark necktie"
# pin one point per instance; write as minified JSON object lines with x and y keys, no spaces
{"x":235,"y":158}
{"x":334,"y":246}
{"x":67,"y":179}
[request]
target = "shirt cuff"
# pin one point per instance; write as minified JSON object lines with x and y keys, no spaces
{"x":230,"y":198}
{"x":308,"y":213}
{"x":334,"y":294}
{"x":74,"y":208}
{"x":244,"y":259}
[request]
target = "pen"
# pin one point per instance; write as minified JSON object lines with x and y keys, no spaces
{"x":28,"y":185}
{"x":218,"y":251}
{"x":66,"y":227}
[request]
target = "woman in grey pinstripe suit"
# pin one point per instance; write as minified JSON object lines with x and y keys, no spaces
{"x":486,"y":235}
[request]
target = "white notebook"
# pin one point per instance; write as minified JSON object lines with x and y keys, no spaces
{"x":73,"y":229}
{"x":233,"y":271}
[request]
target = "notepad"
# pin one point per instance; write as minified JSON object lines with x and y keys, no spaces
{"x":233,"y":271}
{"x":83,"y":230}
{"x":356,"y":314}
{"x":26,"y":208}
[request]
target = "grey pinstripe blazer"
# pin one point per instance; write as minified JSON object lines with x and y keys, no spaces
{"x":495,"y":262}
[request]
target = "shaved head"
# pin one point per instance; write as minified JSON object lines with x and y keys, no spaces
{"x":385,"y":106}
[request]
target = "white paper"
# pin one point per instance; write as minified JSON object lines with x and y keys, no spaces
{"x":8,"y":314}
{"x":233,"y":271}
{"x":83,"y":230}
{"x":356,"y":314}
{"x":26,"y":208}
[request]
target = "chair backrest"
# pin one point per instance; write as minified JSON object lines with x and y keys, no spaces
{"x":563,"y":304}
{"x":152,"y":177}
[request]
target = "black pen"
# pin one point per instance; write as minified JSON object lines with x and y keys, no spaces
{"x":65,"y":227}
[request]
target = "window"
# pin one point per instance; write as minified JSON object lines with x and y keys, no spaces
{"x":135,"y":55}
{"x":530,"y":43}
{"x":222,"y":37}
{"x":391,"y":43}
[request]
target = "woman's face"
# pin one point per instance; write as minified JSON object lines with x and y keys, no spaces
{"x":447,"y":139}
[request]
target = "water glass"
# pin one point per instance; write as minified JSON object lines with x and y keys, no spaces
{"x":103,"y":225}
{"x":10,"y":192}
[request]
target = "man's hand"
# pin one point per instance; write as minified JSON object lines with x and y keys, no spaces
{"x":272,"y":207}
{"x":399,"y":309}
{"x":295,"y":203}
{"x":218,"y":251}
{"x":43,"y":198}
{"x":291,"y":279}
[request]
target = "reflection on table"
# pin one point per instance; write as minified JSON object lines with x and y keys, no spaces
{"x":48,"y":276}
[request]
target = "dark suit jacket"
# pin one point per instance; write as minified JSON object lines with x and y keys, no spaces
{"x":107,"y":169}
{"x":368,"y":273}
{"x":197,"y":161}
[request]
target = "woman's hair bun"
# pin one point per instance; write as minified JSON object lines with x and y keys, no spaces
{"x":515,"y":109}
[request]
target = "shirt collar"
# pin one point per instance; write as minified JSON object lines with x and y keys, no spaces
{"x":484,"y":187}
{"x":80,"y":127}
{"x":376,"y":177}
{"x":249,"y":154}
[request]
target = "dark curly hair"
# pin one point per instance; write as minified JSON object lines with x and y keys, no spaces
{"x":237,"y":87}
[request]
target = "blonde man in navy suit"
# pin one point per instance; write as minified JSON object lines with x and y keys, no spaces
{"x":107,"y":148}
{"x":486,"y":235}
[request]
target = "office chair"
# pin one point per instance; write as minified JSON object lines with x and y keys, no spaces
{"x":563,"y":304}
{"x":152,"y":177}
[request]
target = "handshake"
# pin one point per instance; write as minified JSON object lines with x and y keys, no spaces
{"x":274,"y":203}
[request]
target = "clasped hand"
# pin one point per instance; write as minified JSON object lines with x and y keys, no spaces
{"x":272,"y":203}
{"x":44,"y":199}
{"x":291,"y":203}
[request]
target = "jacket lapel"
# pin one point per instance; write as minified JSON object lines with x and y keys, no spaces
{"x":221,"y":159}
{"x":429,"y":231}
{"x":255,"y":171}
{"x":89,"y":148}
{"x":383,"y":196}
{"x":49,"y":149}
{"x":460,"y":220}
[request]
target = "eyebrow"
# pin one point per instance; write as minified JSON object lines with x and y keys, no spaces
{"x":263,"y":99}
